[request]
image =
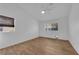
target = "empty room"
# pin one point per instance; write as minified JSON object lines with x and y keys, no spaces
{"x":39,"y":28}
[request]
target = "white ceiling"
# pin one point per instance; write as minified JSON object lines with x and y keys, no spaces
{"x":58,"y":10}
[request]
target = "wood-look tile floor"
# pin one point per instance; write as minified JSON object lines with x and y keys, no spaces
{"x":40,"y":46}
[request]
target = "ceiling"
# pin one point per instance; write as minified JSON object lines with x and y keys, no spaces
{"x":57,"y":10}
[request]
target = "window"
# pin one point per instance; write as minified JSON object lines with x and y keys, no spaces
{"x":6,"y":24}
{"x":51,"y":27}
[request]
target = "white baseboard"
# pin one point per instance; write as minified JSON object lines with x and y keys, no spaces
{"x":62,"y":38}
{"x":21,"y":40}
{"x":74,"y":46}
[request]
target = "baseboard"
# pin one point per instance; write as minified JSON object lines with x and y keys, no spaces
{"x":73,"y":46}
{"x":60,"y":38}
{"x":24,"y":39}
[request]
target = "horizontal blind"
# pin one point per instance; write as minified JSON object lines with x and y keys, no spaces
{"x":6,"y":21}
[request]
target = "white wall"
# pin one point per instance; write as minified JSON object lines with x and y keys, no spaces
{"x":26,"y":27}
{"x":62,"y":10}
{"x":58,"y":12}
{"x":63,"y":30}
{"x":74,"y":26}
